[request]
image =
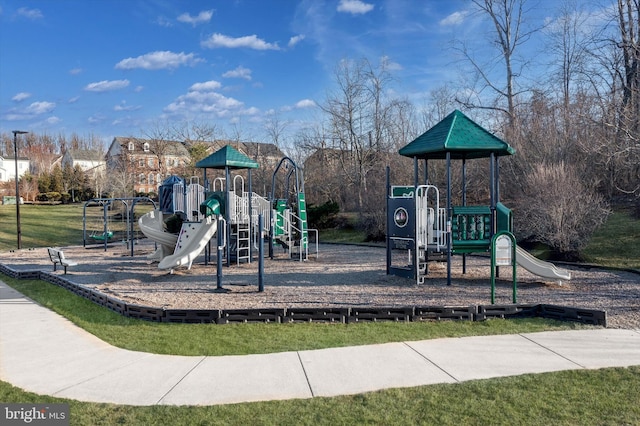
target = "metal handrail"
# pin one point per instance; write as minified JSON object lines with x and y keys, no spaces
{"x":289,"y":228}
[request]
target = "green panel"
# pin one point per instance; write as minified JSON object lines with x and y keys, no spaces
{"x":302,"y":213}
{"x":280,"y":207}
{"x":504,"y":218}
{"x":402,"y":191}
{"x":471,"y":229}
{"x":471,"y":210}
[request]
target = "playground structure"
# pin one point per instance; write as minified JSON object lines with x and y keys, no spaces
{"x":115,"y":222}
{"x":224,"y":207}
{"x":289,"y":215}
{"x":421,"y":229}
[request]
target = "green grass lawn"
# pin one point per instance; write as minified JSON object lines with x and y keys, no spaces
{"x":617,"y":243}
{"x":603,"y":397}
{"x":241,"y":339}
{"x":57,"y":225}
{"x":41,"y":225}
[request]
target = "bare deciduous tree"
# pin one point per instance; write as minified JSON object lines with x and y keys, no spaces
{"x":360,"y":121}
{"x":508,"y":20}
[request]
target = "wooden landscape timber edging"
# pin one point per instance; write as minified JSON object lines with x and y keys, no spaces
{"x":345,"y":315}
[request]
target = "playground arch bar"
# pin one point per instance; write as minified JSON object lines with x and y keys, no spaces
{"x":431,"y":231}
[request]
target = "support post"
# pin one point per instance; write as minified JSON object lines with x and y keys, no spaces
{"x":105,"y":219}
{"x":464,"y":203}
{"x":449,"y":219}
{"x":227,"y":194}
{"x":219,"y":253}
{"x":251,"y":217}
{"x":260,"y":255}
{"x":388,"y":239}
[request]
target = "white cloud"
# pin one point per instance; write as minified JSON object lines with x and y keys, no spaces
{"x":355,"y":7}
{"x":295,"y":40}
{"x":53,"y":120}
{"x":252,"y":42}
{"x":38,"y":108}
{"x":456,"y":18}
{"x":203,"y":100}
{"x":30,"y":112}
{"x":106,"y":85}
{"x":240,"y":72}
{"x":203,"y":17}
{"x":159,"y":60}
{"x":122,"y":106}
{"x":19,"y":97}
{"x":74,"y":99}
{"x":163,"y":22}
{"x":75,"y":71}
{"x":389,"y":64}
{"x":305,"y":103}
{"x":206,"y":86}
{"x":96,"y":118}
{"x":30,"y":13}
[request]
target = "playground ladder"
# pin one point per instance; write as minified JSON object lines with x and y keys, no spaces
{"x":243,"y":244}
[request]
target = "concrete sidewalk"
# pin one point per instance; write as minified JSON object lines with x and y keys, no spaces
{"x":44,"y":353}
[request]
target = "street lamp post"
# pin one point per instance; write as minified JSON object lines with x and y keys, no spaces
{"x":15,"y":157}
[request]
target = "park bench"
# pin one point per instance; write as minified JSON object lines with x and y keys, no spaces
{"x":57,"y":257}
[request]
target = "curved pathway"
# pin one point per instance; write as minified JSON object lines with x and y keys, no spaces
{"x":42,"y":352}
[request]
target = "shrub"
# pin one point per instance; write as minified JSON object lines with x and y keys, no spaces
{"x":559,"y":209}
{"x":323,"y":216}
{"x":49,"y":196}
{"x":374,"y":226}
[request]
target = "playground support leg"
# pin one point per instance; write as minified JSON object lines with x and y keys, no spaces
{"x":260,"y":255}
{"x":219,"y":257}
{"x":449,"y":218}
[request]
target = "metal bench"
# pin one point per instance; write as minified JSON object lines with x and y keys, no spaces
{"x":57,"y":258}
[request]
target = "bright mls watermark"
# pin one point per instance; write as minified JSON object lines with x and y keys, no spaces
{"x":34,"y":414}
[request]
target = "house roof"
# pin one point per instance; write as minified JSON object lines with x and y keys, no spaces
{"x":227,"y":156}
{"x":256,"y":149}
{"x":86,"y":154}
{"x":168,"y":147}
{"x":458,"y":135}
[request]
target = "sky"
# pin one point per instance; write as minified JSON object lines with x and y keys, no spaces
{"x":120,"y":67}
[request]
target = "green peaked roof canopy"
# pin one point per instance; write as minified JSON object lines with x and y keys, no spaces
{"x":227,"y":156}
{"x":460,"y":136}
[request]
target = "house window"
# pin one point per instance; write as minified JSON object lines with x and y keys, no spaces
{"x":151,"y":179}
{"x":142,"y":179}
{"x":150,"y":162}
{"x":141,"y":162}
{"x":146,"y":147}
{"x":131,"y":146}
